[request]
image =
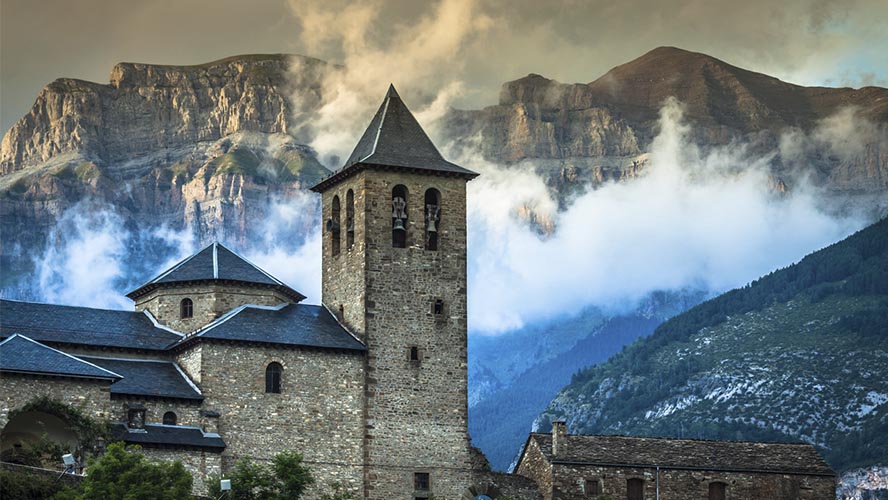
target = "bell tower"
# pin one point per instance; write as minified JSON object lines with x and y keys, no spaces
{"x":394,"y":273}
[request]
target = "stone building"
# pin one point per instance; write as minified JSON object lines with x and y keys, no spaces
{"x":220,"y":361}
{"x":569,"y":466}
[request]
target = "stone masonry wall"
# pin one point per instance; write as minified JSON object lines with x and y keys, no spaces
{"x":343,"y":275}
{"x":187,"y":412}
{"x":190,"y":361}
{"x":210,"y":302}
{"x":417,"y":418}
{"x":691,"y":485}
{"x":535,"y":466}
{"x":90,"y":396}
{"x":318,"y":412}
{"x":198,"y":462}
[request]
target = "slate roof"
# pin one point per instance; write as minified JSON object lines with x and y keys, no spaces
{"x":215,"y":262}
{"x":788,"y":458}
{"x":19,"y":354}
{"x":171,"y":435}
{"x":83,"y":326}
{"x":289,"y":324}
{"x":395,"y":139}
{"x":153,"y":378}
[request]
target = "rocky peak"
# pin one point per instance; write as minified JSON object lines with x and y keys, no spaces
{"x":147,"y":108}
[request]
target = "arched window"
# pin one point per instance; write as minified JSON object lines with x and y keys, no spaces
{"x":399,"y":216}
{"x":635,"y":489}
{"x":273,"y":378}
{"x":186,"y":308}
{"x":432,"y":218}
{"x":333,"y":226}
{"x":169,"y":418}
{"x":717,"y":491}
{"x":349,"y":219}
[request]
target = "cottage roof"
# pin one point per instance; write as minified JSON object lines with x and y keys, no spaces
{"x":84,"y":326}
{"x":152,"y":378}
{"x":215,"y":262}
{"x":170,"y":435}
{"x":394,"y":139}
{"x":20,"y":354}
{"x":787,"y":458}
{"x":287,"y":324}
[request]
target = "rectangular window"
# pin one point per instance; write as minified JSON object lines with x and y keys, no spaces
{"x":592,"y":487}
{"x":438,"y":307}
{"x":635,"y":489}
{"x":414,"y":353}
{"x":421,"y":481}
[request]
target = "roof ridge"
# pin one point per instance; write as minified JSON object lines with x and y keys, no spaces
{"x":248,"y":261}
{"x":388,"y":99}
{"x":665,"y":438}
{"x":160,"y":326}
{"x":180,"y":264}
{"x":230,"y":314}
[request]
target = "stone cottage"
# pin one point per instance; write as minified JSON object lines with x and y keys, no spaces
{"x":567,"y":466}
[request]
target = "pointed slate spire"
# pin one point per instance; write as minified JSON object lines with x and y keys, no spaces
{"x":395,"y":139}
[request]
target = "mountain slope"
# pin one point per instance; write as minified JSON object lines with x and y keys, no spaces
{"x":800,"y":354}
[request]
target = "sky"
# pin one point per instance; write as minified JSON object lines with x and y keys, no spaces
{"x":821,"y":42}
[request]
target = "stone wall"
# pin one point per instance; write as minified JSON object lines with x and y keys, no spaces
{"x":209,"y":302}
{"x":187,"y":412}
{"x":417,"y":419}
{"x":199,"y":463}
{"x":318,"y":412}
{"x":534,"y":465}
{"x":92,"y":397}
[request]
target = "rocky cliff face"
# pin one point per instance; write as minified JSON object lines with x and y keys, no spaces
{"x":603,"y":126}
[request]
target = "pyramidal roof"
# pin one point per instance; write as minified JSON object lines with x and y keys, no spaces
{"x":215,"y":262}
{"x":395,"y":139}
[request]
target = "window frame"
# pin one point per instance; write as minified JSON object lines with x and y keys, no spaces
{"x":186,"y":308}
{"x":417,"y":482}
{"x":274,"y":375}
{"x":166,"y":418}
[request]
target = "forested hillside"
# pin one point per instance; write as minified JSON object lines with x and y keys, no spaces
{"x":800,"y":354}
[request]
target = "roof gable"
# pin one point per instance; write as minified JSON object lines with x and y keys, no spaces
{"x":215,"y":262}
{"x":20,"y":354}
{"x":787,"y":458}
{"x":395,"y":138}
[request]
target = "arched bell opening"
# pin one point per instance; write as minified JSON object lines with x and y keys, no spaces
{"x":399,"y":216}
{"x":432,"y":218}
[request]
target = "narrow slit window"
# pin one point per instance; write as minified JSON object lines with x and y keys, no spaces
{"x":414,"y":353}
{"x":438,"y":307}
{"x":273,"y":374}
{"x":399,"y":217}
{"x":333,"y":226}
{"x":186,"y":309}
{"x":432,"y":218}
{"x":349,"y":219}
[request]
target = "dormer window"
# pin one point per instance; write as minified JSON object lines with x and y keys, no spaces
{"x":186,"y":309}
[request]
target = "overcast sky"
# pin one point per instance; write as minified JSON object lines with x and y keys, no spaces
{"x":820,"y":42}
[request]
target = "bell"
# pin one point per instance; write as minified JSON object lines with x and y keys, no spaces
{"x":432,"y":227}
{"x":332,"y":226}
{"x":399,"y":225}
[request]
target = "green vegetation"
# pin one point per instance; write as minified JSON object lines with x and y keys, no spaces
{"x":124,"y":473}
{"x":20,"y":486}
{"x":87,"y":429}
{"x":286,"y":166}
{"x":285,"y":478}
{"x":87,"y":171}
{"x":796,"y":355}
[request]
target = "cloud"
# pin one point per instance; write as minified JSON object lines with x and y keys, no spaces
{"x":694,"y":220}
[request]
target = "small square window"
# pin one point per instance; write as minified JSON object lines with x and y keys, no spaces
{"x":592,"y":487}
{"x":421,"y":481}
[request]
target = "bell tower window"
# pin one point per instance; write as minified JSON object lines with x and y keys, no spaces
{"x":333,"y":226}
{"x":349,"y":219}
{"x":432,"y":218}
{"x":273,"y":378}
{"x":186,"y":309}
{"x":399,"y":216}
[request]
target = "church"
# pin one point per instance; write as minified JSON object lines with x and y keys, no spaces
{"x":220,"y":361}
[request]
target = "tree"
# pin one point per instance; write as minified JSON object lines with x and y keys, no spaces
{"x":125,"y":474}
{"x":285,"y":478}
